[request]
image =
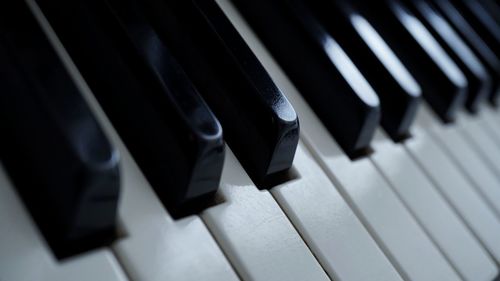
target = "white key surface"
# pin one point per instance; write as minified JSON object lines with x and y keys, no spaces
{"x":155,"y":246}
{"x":368,"y":194}
{"x":452,"y":183}
{"x":25,"y":256}
{"x":255,"y":234}
{"x":490,"y":122}
{"x":158,"y":247}
{"x":468,"y":159}
{"x":329,"y":226}
{"x":472,"y":130}
{"x":432,"y":211}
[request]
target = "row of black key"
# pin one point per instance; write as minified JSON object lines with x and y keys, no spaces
{"x":122,"y":52}
{"x":52,"y":146}
{"x":160,"y":67}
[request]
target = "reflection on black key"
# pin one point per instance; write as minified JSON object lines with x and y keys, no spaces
{"x":481,"y":20}
{"x":169,"y":130}
{"x":488,"y":56}
{"x":259,"y":123}
{"x":480,"y":82}
{"x":398,"y":91}
{"x":443,"y":84}
{"x":493,"y":8}
{"x":61,"y":163}
{"x":319,"y":67}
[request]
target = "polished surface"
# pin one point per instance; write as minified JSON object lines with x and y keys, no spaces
{"x":480,"y":83}
{"x":482,"y":21}
{"x":421,"y":208}
{"x":488,"y":55}
{"x":260,"y":125}
{"x":50,"y":134}
{"x":443,"y":84}
{"x":320,"y":68}
{"x":398,"y":91}
{"x":165,"y":124}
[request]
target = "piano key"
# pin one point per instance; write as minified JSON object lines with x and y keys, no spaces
{"x":331,"y":227}
{"x":173,"y":135}
{"x":260,"y":125}
{"x":432,"y":211}
{"x":25,"y":256}
{"x":452,"y":141}
{"x":154,"y":246}
{"x":483,"y":22}
{"x":485,"y":145}
{"x":157,"y":247}
{"x":479,"y":81}
{"x":391,"y":225}
{"x":50,"y":134}
{"x":490,"y":122}
{"x":493,"y":8}
{"x":330,"y":239}
{"x":326,"y":76}
{"x":151,"y":229}
{"x":453,"y":184}
{"x":255,"y":233}
{"x":398,"y":91}
{"x":443,"y":84}
{"x":485,"y":53}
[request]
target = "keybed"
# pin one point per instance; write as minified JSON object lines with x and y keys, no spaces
{"x":250,"y":140}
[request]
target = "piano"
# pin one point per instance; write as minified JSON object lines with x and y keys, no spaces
{"x":265,"y":140}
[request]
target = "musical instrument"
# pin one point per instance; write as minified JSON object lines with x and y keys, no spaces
{"x":260,"y":140}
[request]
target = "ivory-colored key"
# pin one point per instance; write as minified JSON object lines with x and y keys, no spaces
{"x":368,"y":194}
{"x":454,"y":186}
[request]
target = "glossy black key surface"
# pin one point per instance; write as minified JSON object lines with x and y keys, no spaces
{"x":443,"y":84}
{"x":399,"y":93}
{"x":479,"y":81}
{"x":169,"y":130}
{"x":319,"y":67}
{"x":260,"y":125}
{"x":488,"y":56}
{"x":481,"y":20}
{"x":493,"y":9}
{"x":60,"y":161}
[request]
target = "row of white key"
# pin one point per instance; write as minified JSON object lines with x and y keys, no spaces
{"x":154,"y":247}
{"x":317,"y":236}
{"x":402,"y":239}
{"x":452,"y":183}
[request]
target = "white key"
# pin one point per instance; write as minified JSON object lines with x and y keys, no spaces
{"x":158,"y":247}
{"x":451,"y":182}
{"x":155,"y":246}
{"x":368,"y":194}
{"x":25,"y":256}
{"x":490,"y":122}
{"x":455,"y":144}
{"x":472,"y":130}
{"x":432,"y":211}
{"x":255,"y":234}
{"x":329,"y":226}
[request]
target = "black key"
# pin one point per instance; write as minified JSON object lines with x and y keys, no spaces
{"x":260,"y":125}
{"x":399,"y":93}
{"x":493,"y":8}
{"x":323,"y":73}
{"x":481,"y":20}
{"x":60,"y":161}
{"x":443,"y":84}
{"x":487,"y":55}
{"x":480,"y":82}
{"x":169,"y":130}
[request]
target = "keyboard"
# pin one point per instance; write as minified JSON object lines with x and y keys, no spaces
{"x":265,"y":140}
